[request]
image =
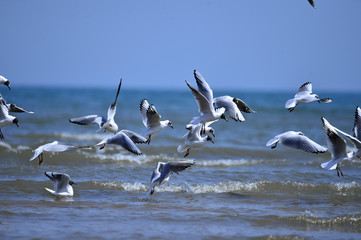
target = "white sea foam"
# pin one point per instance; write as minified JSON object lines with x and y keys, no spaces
{"x":228,"y":162}
{"x":83,"y":136}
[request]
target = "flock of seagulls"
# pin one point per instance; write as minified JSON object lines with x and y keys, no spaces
{"x":198,"y":133}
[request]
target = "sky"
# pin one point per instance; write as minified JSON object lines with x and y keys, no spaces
{"x":258,"y":45}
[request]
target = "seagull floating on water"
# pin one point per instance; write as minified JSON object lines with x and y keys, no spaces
{"x":4,"y":81}
{"x":125,"y":138}
{"x":193,"y":139}
{"x":304,"y":95}
{"x":296,"y":140}
{"x":62,"y":184}
{"x":108,"y":124}
{"x":163,"y":171}
{"x":5,"y":118}
{"x":337,"y":147}
{"x":151,"y":119}
{"x":50,"y":147}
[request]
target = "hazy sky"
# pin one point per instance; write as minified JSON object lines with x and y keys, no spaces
{"x":235,"y":44}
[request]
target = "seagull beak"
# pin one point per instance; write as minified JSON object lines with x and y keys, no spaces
{"x":72,"y":183}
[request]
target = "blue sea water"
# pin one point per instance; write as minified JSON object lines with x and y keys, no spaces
{"x":238,"y":187}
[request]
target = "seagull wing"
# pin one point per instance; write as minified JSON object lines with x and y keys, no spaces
{"x":312,"y":3}
{"x":123,"y":140}
{"x":230,"y":106}
{"x":13,"y":108}
{"x":57,"y":147}
{"x":135,"y":137}
{"x":242,"y":106}
{"x":204,"y":105}
{"x":88,"y":120}
{"x":336,"y":144}
{"x":303,"y":143}
{"x":305,"y":88}
{"x":353,"y":140}
{"x":4,"y":111}
{"x":203,"y":86}
{"x":37,"y":151}
{"x":176,"y":167}
{"x":113,"y":107}
{"x":356,"y":130}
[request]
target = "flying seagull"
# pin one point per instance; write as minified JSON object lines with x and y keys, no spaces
{"x":151,"y":119}
{"x":108,"y":124}
{"x":125,"y":138}
{"x":5,"y":118}
{"x":304,"y":95}
{"x":163,"y":171}
{"x":50,"y":147}
{"x":193,"y":139}
{"x":62,"y":184}
{"x":337,"y":147}
{"x":296,"y":140}
{"x":12,"y":107}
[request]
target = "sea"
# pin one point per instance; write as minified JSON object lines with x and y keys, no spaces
{"x":237,"y":189}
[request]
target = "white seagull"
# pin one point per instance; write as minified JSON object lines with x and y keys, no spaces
{"x":5,"y":118}
{"x":151,"y":119}
{"x":108,"y":124}
{"x":193,"y":139}
{"x":125,"y":138}
{"x":163,"y":171}
{"x":304,"y":95}
{"x":50,"y":147}
{"x":337,"y":147}
{"x":233,"y":106}
{"x":296,"y":140}
{"x":62,"y":184}
{"x":4,"y":81}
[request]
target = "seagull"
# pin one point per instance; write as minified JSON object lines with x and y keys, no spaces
{"x":5,"y":118}
{"x":125,"y":138}
{"x":50,"y":147}
{"x":312,"y":3}
{"x":193,"y":139}
{"x":108,"y":124}
{"x":12,"y":107}
{"x":233,"y":107}
{"x":151,"y":119}
{"x":296,"y":140}
{"x":4,"y":81}
{"x":62,"y":184}
{"x":163,"y":171}
{"x":337,"y":147}
{"x":304,"y":95}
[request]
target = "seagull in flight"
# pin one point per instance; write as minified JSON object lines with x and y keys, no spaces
{"x":4,"y":81}
{"x":304,"y":95}
{"x":296,"y":140}
{"x":108,"y":124}
{"x":151,"y":119}
{"x":193,"y":139}
{"x":125,"y":138}
{"x":62,"y":184}
{"x":50,"y":147}
{"x":337,"y":147}
{"x":12,"y":107}
{"x":5,"y":118}
{"x":163,"y":171}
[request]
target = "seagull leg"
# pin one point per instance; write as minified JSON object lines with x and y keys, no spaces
{"x":187,"y":153}
{"x":291,"y":109}
{"x":1,"y":135}
{"x":274,"y":146}
{"x":148,"y":141}
{"x":340,"y":171}
{"x":40,"y":159}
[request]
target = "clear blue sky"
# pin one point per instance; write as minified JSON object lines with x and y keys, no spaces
{"x":235,"y":44}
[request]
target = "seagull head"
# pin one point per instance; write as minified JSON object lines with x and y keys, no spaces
{"x":209,"y":138}
{"x":112,"y":127}
{"x":7,"y":83}
{"x":223,"y":116}
{"x":16,"y":121}
{"x":72,"y":183}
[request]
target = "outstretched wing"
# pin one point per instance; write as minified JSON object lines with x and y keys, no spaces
{"x":89,"y":120}
{"x":150,"y":116}
{"x":203,"y":86}
{"x":336,"y":144}
{"x":113,"y":107}
{"x":305,"y":88}
{"x":204,"y":105}
{"x":176,"y":167}
{"x":356,"y":130}
{"x":303,"y":143}
{"x":123,"y":140}
{"x":135,"y":137}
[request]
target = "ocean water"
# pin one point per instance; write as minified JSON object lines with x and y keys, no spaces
{"x":237,"y":189}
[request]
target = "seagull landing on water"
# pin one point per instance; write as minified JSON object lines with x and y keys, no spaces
{"x":304,"y":95}
{"x":193,"y":139}
{"x":62,"y":184}
{"x":337,"y":147}
{"x":151,"y":119}
{"x":163,"y":171}
{"x":296,"y":140}
{"x":4,"y":81}
{"x":5,"y":118}
{"x":108,"y":124}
